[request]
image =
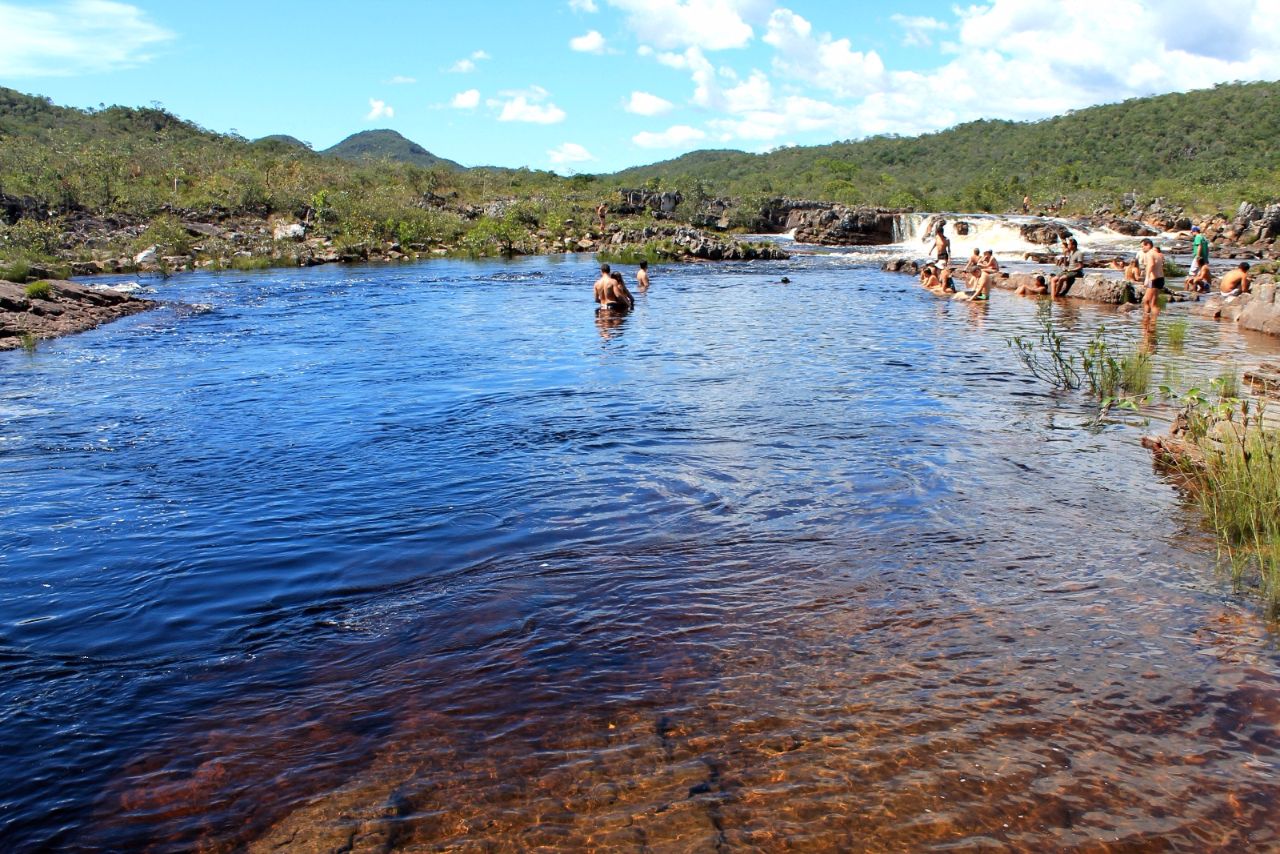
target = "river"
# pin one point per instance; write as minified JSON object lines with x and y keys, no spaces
{"x":426,"y":556}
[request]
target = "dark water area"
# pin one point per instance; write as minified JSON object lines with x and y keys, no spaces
{"x":429,"y":557}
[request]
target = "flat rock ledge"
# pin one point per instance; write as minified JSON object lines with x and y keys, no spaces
{"x":69,"y":308}
{"x":1258,"y":311}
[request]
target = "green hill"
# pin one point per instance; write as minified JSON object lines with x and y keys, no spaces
{"x":379,"y":145}
{"x":1213,"y":146}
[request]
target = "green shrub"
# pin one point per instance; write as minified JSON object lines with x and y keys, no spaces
{"x":39,"y":290}
{"x":249,"y":262}
{"x":17,"y":271}
{"x":28,"y":342}
{"x":1176,"y":334}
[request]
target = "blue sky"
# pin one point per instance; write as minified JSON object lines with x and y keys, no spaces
{"x":599,"y":85}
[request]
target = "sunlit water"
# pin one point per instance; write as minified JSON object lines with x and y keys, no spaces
{"x":426,"y":556}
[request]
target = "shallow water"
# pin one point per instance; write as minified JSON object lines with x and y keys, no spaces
{"x":426,"y":556}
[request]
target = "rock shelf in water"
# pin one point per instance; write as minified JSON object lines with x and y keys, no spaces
{"x":69,"y":308}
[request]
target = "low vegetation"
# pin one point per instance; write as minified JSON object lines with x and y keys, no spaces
{"x":39,"y":290}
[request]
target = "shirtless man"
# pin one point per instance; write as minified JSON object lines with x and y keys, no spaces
{"x":988,"y":269}
{"x":941,"y":245}
{"x":600,"y":212}
{"x":1235,"y":282}
{"x":929,"y":278}
{"x":1026,"y":204}
{"x":610,"y":293}
{"x":1152,"y":260}
{"x":642,"y":277}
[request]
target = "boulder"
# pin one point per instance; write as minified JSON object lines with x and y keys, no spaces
{"x":841,"y":226}
{"x":1044,"y":233}
{"x":1130,"y":227}
{"x":961,"y":227}
{"x":146,"y":256}
{"x":1093,"y":287}
{"x":289,"y":231}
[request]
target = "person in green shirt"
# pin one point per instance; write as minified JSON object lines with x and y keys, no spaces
{"x":1199,"y":250}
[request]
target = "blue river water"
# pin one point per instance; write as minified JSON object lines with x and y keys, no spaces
{"x":357,"y":558}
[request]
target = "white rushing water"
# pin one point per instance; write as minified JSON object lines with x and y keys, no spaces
{"x":1000,"y":233}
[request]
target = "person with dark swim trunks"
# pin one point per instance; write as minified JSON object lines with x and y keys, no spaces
{"x":1152,"y":260}
{"x":941,"y":245}
{"x":1073,"y":262}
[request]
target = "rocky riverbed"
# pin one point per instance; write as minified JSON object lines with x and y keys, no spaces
{"x":29,"y":314}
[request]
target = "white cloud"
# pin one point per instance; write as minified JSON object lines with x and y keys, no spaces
{"x":822,"y":61}
{"x":569,"y":152}
{"x":588,"y":6}
{"x":468,"y":64}
{"x":76,"y":37}
{"x":706,"y":24}
{"x":918,"y":30}
{"x":591,"y":42}
{"x":399,"y":80}
{"x":379,"y":110}
{"x":467,"y":100}
{"x":673,"y":137}
{"x":528,"y":105}
{"x":644,"y":104}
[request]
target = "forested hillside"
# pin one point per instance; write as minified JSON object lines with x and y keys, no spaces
{"x":1204,"y":149}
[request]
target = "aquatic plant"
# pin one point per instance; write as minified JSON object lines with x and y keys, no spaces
{"x":28,"y":342}
{"x":39,"y":290}
{"x":1046,"y":356}
{"x":1236,"y":483}
{"x":1227,"y":384}
{"x":1176,"y":334}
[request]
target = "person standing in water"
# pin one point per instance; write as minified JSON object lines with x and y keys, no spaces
{"x":1199,"y":251}
{"x":610,"y":293}
{"x":941,"y":245}
{"x":642,"y":277}
{"x":1153,"y":262}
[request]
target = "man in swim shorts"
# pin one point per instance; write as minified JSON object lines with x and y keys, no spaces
{"x":941,"y":245}
{"x":1152,"y":260}
{"x":1199,"y":251}
{"x":1235,"y":282}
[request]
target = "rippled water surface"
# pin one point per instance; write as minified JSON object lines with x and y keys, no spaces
{"x":428,"y":557}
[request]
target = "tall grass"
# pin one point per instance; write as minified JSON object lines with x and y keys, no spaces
{"x":1176,"y":334}
{"x":1238,"y":489}
{"x":1113,"y":375}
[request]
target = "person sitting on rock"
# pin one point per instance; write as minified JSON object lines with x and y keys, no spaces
{"x":945,"y":280}
{"x":1200,"y":281}
{"x":1033,"y":288}
{"x":1073,"y":262}
{"x":1235,"y":282}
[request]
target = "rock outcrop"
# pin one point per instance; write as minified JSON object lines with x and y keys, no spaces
{"x":692,"y":243}
{"x":67,"y":308}
{"x":1044,"y":233}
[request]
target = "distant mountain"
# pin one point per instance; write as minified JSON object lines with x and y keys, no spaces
{"x":377,"y":145}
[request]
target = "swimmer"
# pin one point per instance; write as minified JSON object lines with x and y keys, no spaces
{"x":1032,"y":289}
{"x":610,"y":293}
{"x":642,"y":277}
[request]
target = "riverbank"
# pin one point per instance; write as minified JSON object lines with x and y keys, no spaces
{"x":49,"y":309}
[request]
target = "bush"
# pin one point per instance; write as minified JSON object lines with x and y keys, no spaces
{"x":16,"y":271}
{"x":39,"y":290}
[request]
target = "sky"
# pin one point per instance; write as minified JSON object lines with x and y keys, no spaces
{"x":600,"y":85}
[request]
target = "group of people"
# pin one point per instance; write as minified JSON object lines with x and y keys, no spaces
{"x":611,"y":294}
{"x":978,"y":273}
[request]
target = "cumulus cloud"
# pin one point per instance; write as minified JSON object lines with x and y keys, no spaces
{"x":528,"y":105}
{"x":706,"y":24}
{"x":673,"y":137}
{"x":569,"y":152}
{"x":467,"y":100}
{"x":379,"y":110}
{"x":468,"y":64}
{"x":591,"y":42}
{"x":918,"y":30}
{"x":76,"y":37}
{"x":645,"y":104}
{"x":1017,"y":59}
{"x":588,"y":6}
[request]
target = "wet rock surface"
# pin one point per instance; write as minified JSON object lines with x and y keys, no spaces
{"x":69,"y":308}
